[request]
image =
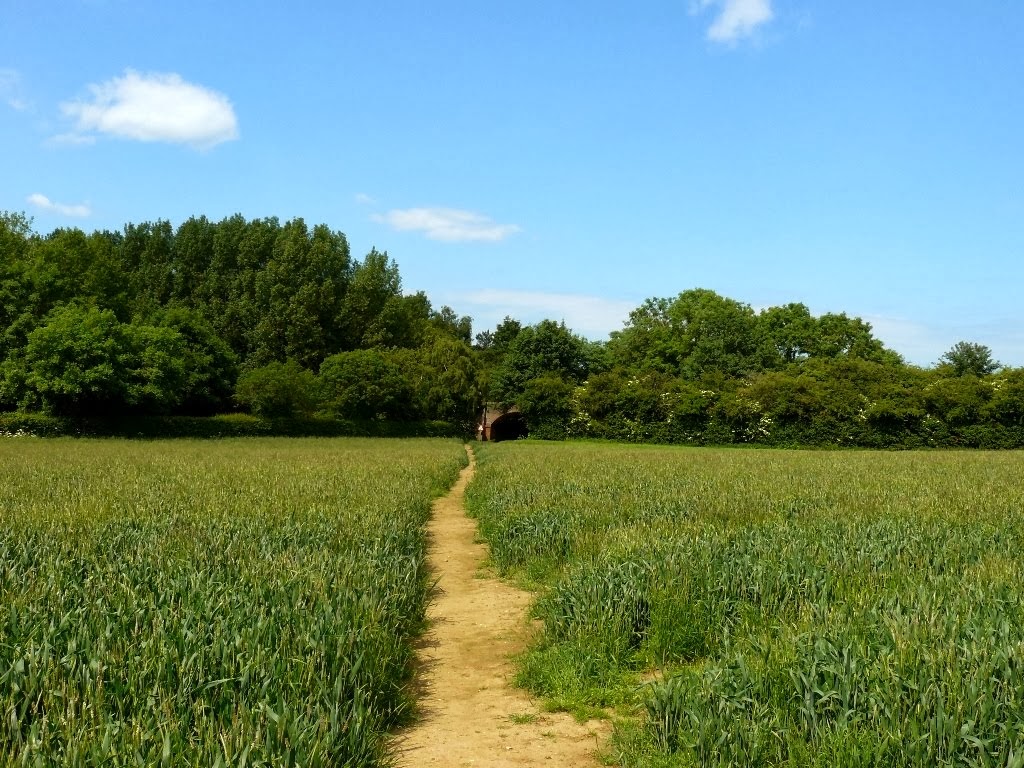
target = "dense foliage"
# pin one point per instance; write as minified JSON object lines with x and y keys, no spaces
{"x":856,"y":609}
{"x":212,"y":316}
{"x":184,"y":603}
{"x":703,"y":369}
{"x":280,"y":321}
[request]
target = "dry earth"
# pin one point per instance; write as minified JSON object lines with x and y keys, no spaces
{"x":470,"y":715}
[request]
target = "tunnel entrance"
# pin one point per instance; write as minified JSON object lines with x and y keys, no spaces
{"x":501,"y":424}
{"x":509,"y":426}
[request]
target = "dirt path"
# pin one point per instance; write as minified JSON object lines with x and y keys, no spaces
{"x":469,"y":713}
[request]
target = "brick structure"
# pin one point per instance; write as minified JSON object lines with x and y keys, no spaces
{"x":497,"y":424}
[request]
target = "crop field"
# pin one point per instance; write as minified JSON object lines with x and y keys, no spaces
{"x":222,"y":603}
{"x":771,"y":608}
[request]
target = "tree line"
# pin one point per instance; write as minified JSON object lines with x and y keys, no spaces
{"x":701,"y":368}
{"x":275,"y":318}
{"x":278,"y":319}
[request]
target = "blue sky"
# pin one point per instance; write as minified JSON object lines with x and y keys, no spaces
{"x":560,"y":160}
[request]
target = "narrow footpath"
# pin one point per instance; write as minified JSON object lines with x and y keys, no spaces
{"x":469,"y":713}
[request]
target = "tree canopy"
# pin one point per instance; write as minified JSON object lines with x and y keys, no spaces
{"x":967,"y":358}
{"x":196,"y":319}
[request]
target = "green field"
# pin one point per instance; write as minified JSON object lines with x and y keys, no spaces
{"x":251,"y":602}
{"x":234,"y":602}
{"x":753,"y":608}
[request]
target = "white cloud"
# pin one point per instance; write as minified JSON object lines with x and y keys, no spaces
{"x":155,"y":107}
{"x":44,"y":203}
{"x":736,"y":18}
{"x":447,"y":224}
{"x":364,"y":199}
{"x":590,"y":316}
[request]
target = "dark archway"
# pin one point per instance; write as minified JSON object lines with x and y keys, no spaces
{"x":509,"y":426}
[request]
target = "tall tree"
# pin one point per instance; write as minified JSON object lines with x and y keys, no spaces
{"x":83,"y":361}
{"x":449,"y":323}
{"x":300,"y":296}
{"x":693,"y":335}
{"x":15,"y":231}
{"x":787,"y":333}
{"x":193,"y":255}
{"x":967,"y":358}
{"x":838,"y":335}
{"x":375,"y":282}
{"x":547,"y":349}
{"x":241,"y":250}
{"x":210,"y":367}
{"x":449,"y":389}
{"x":148,"y":256}
{"x":365,"y":384}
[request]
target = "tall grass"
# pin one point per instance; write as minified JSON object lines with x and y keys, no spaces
{"x":223,"y":603}
{"x":798,"y":608}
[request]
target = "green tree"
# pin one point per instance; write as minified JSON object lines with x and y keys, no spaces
{"x":449,"y":388}
{"x":958,"y":401}
{"x":1007,"y":404}
{"x":147,"y":254}
{"x":81,"y":361}
{"x":787,"y":334}
{"x":104,"y":280}
{"x":491,"y":348}
{"x":404,"y":321}
{"x":545,"y":349}
{"x":967,"y":358}
{"x":15,"y":231}
{"x":191,"y":259}
{"x":152,"y":367}
{"x":696,"y":334}
{"x":72,"y":362}
{"x":505,"y":333}
{"x":300,"y":295}
{"x":496,"y":343}
{"x":69,"y":266}
{"x":56,"y":267}
{"x":364,"y":384}
{"x":837,"y":335}
{"x":241,"y":250}
{"x":210,"y":366}
{"x":446,"y":321}
{"x":546,"y":404}
{"x":375,"y":284}
{"x":278,"y":390}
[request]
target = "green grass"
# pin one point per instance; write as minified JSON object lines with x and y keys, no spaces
{"x":523,"y":718}
{"x":798,"y":608}
{"x":235,"y":602}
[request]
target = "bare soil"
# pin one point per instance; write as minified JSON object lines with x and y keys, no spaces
{"x":469,"y":712}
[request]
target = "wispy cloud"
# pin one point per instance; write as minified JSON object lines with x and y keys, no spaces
{"x":924,"y":343}
{"x":44,"y":203}
{"x":736,"y":19}
{"x":364,"y":199}
{"x":592,"y":316}
{"x":10,"y":90}
{"x":155,"y":107}
{"x":71,"y":139}
{"x":447,"y":224}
